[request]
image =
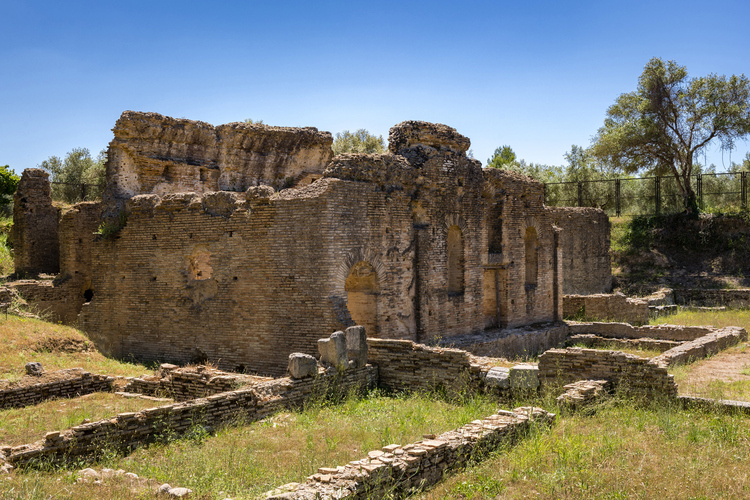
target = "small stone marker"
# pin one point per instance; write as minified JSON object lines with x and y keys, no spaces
{"x":524,"y":377}
{"x":498,"y":377}
{"x":302,"y":365}
{"x":34,"y":368}
{"x":356,"y":345}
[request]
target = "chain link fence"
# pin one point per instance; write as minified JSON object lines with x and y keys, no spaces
{"x":650,"y":195}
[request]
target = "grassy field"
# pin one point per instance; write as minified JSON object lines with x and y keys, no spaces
{"x":56,"y":347}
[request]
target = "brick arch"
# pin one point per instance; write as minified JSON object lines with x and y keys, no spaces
{"x":455,"y":220}
{"x":360,"y":304}
{"x":354,"y":256}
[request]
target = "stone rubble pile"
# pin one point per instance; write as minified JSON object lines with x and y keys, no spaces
{"x":582,"y":392}
{"x":396,"y":471}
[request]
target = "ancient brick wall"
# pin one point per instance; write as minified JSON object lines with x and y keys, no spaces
{"x":523,"y":283}
{"x":157,"y":154}
{"x":587,"y":267}
{"x":70,"y":383}
{"x":626,"y":331}
{"x":701,"y":347}
{"x":35,"y":225}
{"x":739,"y":299}
{"x":603,"y":306}
{"x":245,"y":283}
{"x":633,"y":374}
{"x":129,"y":430}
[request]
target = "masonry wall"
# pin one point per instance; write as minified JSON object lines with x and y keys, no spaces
{"x":72,"y":383}
{"x":514,"y":206}
{"x":129,"y":430}
{"x":587,"y":267}
{"x":612,"y":307}
{"x":634,"y":374}
{"x":245,"y":283}
{"x":739,"y":299}
{"x":158,"y":154}
{"x":35,"y":225}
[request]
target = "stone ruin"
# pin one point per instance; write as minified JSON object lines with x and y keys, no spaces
{"x":239,"y":244}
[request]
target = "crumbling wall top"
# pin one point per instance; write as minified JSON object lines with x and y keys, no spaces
{"x":435,"y":135}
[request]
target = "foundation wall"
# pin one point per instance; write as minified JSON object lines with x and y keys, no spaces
{"x":737,"y":299}
{"x":633,"y":374}
{"x":625,"y":331}
{"x":129,"y":430}
{"x":76,"y":382}
{"x":701,"y":347}
{"x":612,"y":307}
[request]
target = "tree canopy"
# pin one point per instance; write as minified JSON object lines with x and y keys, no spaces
{"x":8,"y":181}
{"x":77,"y":169}
{"x":669,"y":119}
{"x":360,"y":141}
{"x":503,"y":157}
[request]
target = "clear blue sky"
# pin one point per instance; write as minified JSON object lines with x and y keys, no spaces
{"x":537,"y":75}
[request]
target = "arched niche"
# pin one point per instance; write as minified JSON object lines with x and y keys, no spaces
{"x":362,"y":288}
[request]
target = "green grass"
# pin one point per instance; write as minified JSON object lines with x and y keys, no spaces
{"x":25,"y":340}
{"x":718,"y":319}
{"x":243,"y":461}
{"x":617,"y":452}
{"x":26,"y":425}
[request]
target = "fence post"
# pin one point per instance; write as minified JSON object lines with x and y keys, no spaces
{"x":657,"y":194}
{"x":580,"y":194}
{"x":743,"y":189}
{"x":83,"y":192}
{"x":699,"y":182}
{"x":545,"y":192}
{"x":617,"y":197}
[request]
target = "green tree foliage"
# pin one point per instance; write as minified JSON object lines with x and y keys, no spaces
{"x":8,"y":181}
{"x":662,"y":126}
{"x":253,"y":122}
{"x":77,"y":175}
{"x":503,"y":157}
{"x":360,"y":141}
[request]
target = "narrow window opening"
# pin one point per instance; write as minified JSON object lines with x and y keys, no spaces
{"x":532,"y":256}
{"x":455,"y":261}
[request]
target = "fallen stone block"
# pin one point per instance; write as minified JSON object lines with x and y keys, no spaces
{"x":333,"y":350}
{"x":356,"y":345}
{"x":498,"y":377}
{"x":302,"y":365}
{"x":34,"y":368}
{"x":524,"y":377}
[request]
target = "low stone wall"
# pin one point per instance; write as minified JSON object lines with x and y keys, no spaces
{"x":406,"y":366}
{"x":50,"y":299}
{"x":613,"y":307}
{"x":638,"y":376}
{"x":511,"y":342}
{"x":71,"y":383}
{"x":677,"y":333}
{"x":736,"y":299}
{"x":398,"y":471}
{"x":184,"y":384}
{"x":129,"y":430}
{"x":701,"y":347}
{"x":594,"y":341}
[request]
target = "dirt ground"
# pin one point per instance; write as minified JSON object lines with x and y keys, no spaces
{"x":726,"y":366}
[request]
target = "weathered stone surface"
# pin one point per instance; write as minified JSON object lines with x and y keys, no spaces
{"x":498,"y":377}
{"x":356,"y":345}
{"x":34,"y":368}
{"x":333,"y":350}
{"x":612,"y":307}
{"x":35,"y":225}
{"x":524,"y":377}
{"x":302,"y":365}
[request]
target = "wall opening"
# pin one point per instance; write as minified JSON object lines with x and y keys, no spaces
{"x":199,"y":266}
{"x":532,"y":256}
{"x":455,"y":260}
{"x":88,"y":295}
{"x":495,"y":228}
{"x":362,"y":290}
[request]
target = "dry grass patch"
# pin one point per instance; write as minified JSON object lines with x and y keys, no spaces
{"x":56,"y":347}
{"x":29,"y":424}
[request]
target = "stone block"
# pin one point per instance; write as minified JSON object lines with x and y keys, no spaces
{"x":333,"y":350}
{"x":302,"y":365}
{"x":34,"y":368}
{"x":356,"y":345}
{"x":524,"y":377}
{"x":498,"y":377}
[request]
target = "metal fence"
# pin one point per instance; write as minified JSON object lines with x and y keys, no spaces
{"x":650,"y":195}
{"x":72,"y":192}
